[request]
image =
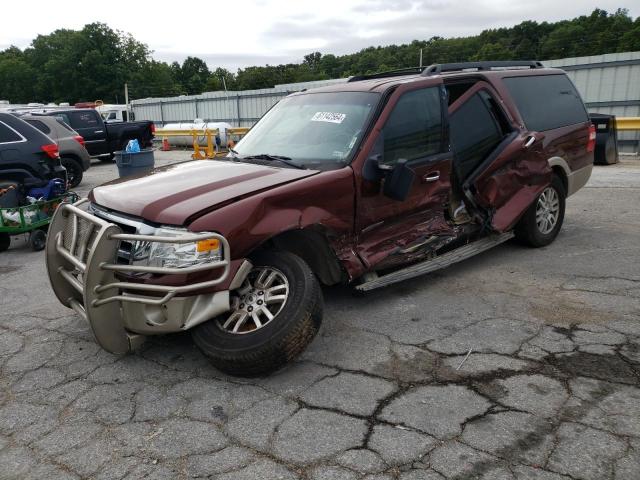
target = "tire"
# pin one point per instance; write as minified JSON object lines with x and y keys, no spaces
{"x":261,"y":350}
{"x":529,"y":231}
{"x":37,"y":240}
{"x":74,"y":171}
{"x":5,"y":241}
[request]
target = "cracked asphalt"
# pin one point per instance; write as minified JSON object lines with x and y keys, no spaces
{"x":551,"y":389}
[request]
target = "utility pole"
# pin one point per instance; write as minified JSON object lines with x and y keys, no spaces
{"x":420,"y":58}
{"x":126,"y":102}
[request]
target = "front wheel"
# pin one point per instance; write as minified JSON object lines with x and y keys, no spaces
{"x":274,"y":315}
{"x":541,"y":223}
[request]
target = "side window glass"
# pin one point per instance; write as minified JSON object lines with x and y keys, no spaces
{"x":8,"y":135}
{"x":40,"y":126}
{"x":475,"y":132}
{"x":414,"y":128}
{"x":84,"y":120}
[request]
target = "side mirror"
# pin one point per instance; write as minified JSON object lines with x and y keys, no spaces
{"x":374,"y":170}
{"x":398,"y":182}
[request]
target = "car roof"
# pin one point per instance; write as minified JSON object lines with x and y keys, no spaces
{"x":384,"y":83}
{"x":26,"y":130}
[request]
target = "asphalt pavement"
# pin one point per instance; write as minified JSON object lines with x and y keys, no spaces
{"x":387,"y":390}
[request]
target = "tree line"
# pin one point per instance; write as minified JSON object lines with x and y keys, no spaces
{"x":96,"y":62}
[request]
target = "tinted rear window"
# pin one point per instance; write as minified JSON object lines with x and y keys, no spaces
{"x":546,"y":101}
{"x":8,"y":135}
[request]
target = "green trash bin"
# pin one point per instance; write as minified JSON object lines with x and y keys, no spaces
{"x":134,"y":163}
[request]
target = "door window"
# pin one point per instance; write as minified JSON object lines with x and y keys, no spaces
{"x":84,"y":119}
{"x":414,"y":128}
{"x":475,"y":132}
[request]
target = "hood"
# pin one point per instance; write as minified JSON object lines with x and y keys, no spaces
{"x":171,"y":194}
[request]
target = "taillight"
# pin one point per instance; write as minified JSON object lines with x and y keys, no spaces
{"x":79,"y":139}
{"x":51,"y":150}
{"x":591,"y":144}
{"x":153,"y":129}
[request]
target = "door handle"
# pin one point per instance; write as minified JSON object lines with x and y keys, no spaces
{"x":98,"y":131}
{"x":431,"y":177}
{"x":530,"y":141}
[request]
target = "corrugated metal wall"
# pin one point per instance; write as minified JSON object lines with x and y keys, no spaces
{"x":238,"y":108}
{"x":608,"y":83}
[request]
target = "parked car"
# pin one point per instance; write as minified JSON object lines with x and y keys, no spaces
{"x":27,"y":156}
{"x":73,"y":155}
{"x":103,"y":139}
{"x":370,"y":182}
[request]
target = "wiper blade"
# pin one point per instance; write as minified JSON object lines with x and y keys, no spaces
{"x":278,"y":158}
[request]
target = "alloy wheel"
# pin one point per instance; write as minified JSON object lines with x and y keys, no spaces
{"x":547,"y":210}
{"x":257,"y":302}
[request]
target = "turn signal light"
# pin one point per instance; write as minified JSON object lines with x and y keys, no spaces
{"x":208,"y":245}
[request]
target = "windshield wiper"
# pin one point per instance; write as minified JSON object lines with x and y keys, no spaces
{"x":278,"y":158}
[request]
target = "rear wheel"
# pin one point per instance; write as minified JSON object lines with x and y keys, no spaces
{"x":542,"y":222}
{"x":37,"y":240}
{"x":5,"y":241}
{"x":274,"y":315}
{"x":74,"y":171}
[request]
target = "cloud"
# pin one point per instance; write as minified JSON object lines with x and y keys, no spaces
{"x":257,"y":32}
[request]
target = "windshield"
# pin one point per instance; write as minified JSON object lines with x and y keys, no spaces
{"x":311,"y":129}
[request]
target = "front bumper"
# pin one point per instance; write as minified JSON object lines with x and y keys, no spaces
{"x":80,"y":255}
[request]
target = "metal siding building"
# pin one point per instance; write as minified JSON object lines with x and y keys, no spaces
{"x":608,"y":83}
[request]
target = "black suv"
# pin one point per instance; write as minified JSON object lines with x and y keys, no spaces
{"x":27,"y":156}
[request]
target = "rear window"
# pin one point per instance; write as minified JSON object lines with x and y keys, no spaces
{"x":546,"y":101}
{"x":8,"y":134}
{"x":39,"y":125}
{"x":64,"y":125}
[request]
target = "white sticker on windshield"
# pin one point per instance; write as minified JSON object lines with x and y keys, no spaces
{"x":329,"y":117}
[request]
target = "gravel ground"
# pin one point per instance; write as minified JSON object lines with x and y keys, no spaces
{"x":550,"y":390}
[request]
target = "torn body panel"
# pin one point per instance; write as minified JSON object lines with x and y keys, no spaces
{"x":513,"y":180}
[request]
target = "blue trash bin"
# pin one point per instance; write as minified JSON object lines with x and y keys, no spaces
{"x":134,"y":163}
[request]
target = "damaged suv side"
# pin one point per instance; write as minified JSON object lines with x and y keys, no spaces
{"x":371,"y":182}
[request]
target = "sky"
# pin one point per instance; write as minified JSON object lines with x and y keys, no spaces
{"x":240,"y":33}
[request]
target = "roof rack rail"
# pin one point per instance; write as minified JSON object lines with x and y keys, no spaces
{"x":390,"y":73}
{"x":438,"y":68}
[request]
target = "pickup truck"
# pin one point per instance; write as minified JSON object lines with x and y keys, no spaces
{"x":369,"y":182}
{"x":101,"y":138}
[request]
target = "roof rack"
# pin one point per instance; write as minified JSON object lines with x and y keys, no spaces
{"x":439,"y":68}
{"x":390,"y":73}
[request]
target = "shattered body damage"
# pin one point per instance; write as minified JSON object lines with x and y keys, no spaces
{"x":512,"y":183}
{"x":429,"y":232}
{"x":299,"y":205}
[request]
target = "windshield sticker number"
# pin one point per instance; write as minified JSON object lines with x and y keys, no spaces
{"x":329,"y":117}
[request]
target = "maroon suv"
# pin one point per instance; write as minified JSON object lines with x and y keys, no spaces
{"x":372,"y":181}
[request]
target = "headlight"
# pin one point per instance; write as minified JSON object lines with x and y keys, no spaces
{"x":175,"y":255}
